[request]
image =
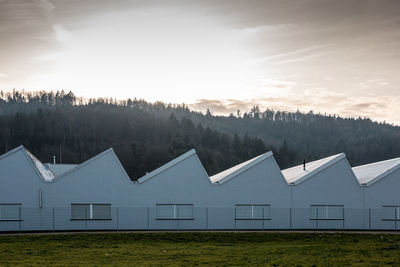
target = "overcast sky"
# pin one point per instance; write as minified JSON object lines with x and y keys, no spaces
{"x":329,"y":56}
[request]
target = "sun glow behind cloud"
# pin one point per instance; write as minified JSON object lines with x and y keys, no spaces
{"x":220,"y":54}
{"x":156,"y":54}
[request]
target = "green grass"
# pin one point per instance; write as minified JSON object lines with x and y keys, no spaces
{"x":201,"y":249}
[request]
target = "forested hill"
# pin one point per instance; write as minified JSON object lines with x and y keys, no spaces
{"x":146,"y":135}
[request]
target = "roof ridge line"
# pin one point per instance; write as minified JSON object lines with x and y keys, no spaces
{"x":383,"y":175}
{"x":319,"y":169}
{"x":78,"y":166}
{"x":167,"y":165}
{"x":254,"y":161}
{"x":377,"y":162}
{"x":12,"y":151}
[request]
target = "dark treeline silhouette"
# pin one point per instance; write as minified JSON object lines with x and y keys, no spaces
{"x":142,"y":139}
{"x":313,"y":136}
{"x":147,"y":135}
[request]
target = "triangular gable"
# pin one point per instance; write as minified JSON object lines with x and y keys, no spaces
{"x":371,"y":173}
{"x":44,"y":174}
{"x":169,"y":165}
{"x":234,"y":171}
{"x":12,"y":151}
{"x":87,"y":162}
{"x":297,"y":174}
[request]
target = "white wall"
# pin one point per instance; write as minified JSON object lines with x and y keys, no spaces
{"x":335,"y":185}
{"x":385,"y":192}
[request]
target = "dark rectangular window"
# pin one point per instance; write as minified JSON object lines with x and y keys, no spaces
{"x":101,"y":212}
{"x":80,"y":211}
{"x":252,"y":211}
{"x":91,"y":211}
{"x":327,"y":212}
{"x":391,"y":213}
{"x":10,"y":212}
{"x":174,"y":211}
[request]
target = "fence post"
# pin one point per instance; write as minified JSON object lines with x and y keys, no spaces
{"x":117,"y":220}
{"x":53,"y":220}
{"x":395,"y":218}
{"x":19,"y":219}
{"x":234,"y":217}
{"x":86,"y":217}
{"x":263,"y":219}
{"x":369,"y":218}
{"x":343,"y":218}
{"x":206,"y":217}
{"x":148,"y":218}
{"x":317,"y":219}
{"x":290,"y":218}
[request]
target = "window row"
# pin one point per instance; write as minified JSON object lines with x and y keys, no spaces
{"x":185,"y":212}
{"x":10,"y":212}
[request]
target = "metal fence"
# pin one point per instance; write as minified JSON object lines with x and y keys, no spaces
{"x":203,"y":218}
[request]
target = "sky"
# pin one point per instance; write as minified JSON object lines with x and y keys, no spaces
{"x":328,"y":56}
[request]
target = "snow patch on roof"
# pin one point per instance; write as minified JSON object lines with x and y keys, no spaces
{"x":236,"y":170}
{"x":369,"y":172}
{"x":46,"y":174}
{"x":297,"y":174}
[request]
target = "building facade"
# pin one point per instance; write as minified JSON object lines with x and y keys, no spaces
{"x":254,"y":195}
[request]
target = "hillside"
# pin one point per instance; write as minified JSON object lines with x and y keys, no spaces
{"x":146,"y":135}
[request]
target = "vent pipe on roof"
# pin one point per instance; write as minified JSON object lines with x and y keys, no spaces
{"x":54,"y":159}
{"x":304,"y":165}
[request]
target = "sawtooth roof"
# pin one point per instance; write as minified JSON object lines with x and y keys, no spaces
{"x":167,"y":165}
{"x":297,"y":174}
{"x":59,"y":169}
{"x":371,"y":173}
{"x":44,"y":174}
{"x":230,"y":173}
{"x":83,"y":164}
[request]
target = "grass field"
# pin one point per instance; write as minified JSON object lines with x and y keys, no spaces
{"x":199,"y":249}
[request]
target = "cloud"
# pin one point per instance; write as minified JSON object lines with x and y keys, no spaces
{"x":61,"y":34}
{"x":372,"y":83}
{"x":47,"y":5}
{"x":305,"y":58}
{"x":379,"y":108}
{"x":356,"y":43}
{"x":368,"y":105}
{"x":223,"y":107}
{"x":291,"y":53}
{"x":264,"y":81}
{"x":255,"y":13}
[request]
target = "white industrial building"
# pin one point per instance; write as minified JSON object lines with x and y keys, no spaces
{"x":256,"y":194}
{"x":380,"y":182}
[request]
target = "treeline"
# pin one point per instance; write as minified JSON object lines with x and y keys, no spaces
{"x":141,"y":138}
{"x":313,"y":136}
{"x":146,"y":135}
